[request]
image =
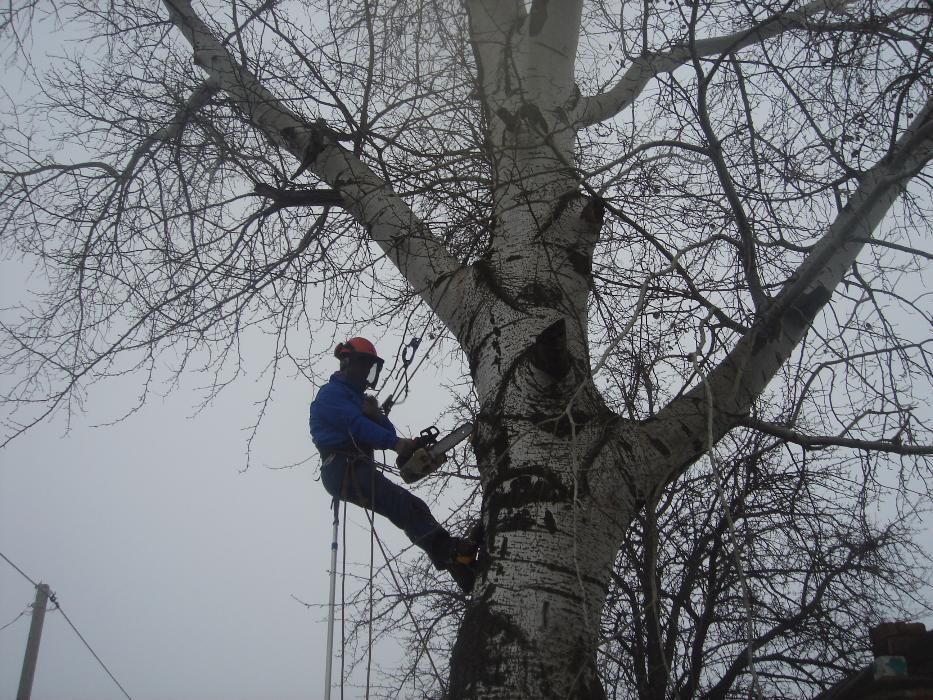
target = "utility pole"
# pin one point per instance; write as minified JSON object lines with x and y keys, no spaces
{"x":32,"y":644}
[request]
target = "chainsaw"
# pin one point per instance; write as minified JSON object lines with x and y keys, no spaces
{"x":429,"y":451}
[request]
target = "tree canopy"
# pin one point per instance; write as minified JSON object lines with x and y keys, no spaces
{"x":676,"y":249}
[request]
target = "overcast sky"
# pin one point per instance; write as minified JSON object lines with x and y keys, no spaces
{"x":180,"y":568}
{"x":177,"y":568}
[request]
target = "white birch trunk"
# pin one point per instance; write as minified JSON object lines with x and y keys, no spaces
{"x":559,"y":485}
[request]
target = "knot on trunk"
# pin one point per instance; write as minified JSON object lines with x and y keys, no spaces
{"x":549,"y":351}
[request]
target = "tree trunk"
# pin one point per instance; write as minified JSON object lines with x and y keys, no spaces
{"x":559,"y":490}
{"x":552,"y":533}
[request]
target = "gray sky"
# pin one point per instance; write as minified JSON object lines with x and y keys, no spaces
{"x":176,"y":567}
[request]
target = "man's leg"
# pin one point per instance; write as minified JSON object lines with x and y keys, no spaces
{"x":360,"y":482}
{"x":333,"y":476}
{"x":368,"y":488}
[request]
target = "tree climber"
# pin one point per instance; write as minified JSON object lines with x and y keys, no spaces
{"x":347,"y":425}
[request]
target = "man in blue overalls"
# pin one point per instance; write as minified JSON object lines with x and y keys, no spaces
{"x":347,"y":426}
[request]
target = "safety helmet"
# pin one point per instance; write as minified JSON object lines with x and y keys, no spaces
{"x":360,"y":348}
{"x":356,"y":345}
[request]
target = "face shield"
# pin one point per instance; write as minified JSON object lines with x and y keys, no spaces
{"x":374,"y":370}
{"x":365,"y":363}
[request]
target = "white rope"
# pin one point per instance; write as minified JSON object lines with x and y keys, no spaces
{"x":404,"y":595}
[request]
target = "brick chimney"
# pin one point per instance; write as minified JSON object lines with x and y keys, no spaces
{"x":909,"y":640}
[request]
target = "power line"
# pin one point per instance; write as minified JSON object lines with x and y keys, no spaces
{"x":21,"y":572}
{"x":14,"y":619}
{"x":85,"y":642}
{"x":58,"y":607}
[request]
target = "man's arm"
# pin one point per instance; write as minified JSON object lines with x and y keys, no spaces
{"x":404,"y":446}
{"x":336,"y":416}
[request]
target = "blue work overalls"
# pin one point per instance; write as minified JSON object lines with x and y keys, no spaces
{"x":346,"y":439}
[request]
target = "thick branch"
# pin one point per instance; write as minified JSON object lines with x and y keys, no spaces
{"x":606,"y":105}
{"x":301,"y":197}
{"x":553,"y":33}
{"x":816,"y":441}
{"x":492,"y":26}
{"x":197,"y":100}
{"x":680,"y":432}
{"x":392,"y":225}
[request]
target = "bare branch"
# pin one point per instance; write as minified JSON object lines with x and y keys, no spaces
{"x":596,"y":108}
{"x":300,"y":197}
{"x":893,"y":446}
{"x":739,"y":379}
{"x":422,"y":259}
{"x":896,"y":246}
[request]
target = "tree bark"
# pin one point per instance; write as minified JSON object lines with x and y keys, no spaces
{"x":553,"y":525}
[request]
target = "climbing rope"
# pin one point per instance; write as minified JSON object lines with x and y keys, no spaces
{"x":405,"y":354}
{"x":369,"y":509}
{"x":405,"y":599}
{"x":372,"y":557}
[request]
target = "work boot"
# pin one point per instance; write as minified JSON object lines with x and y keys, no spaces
{"x":462,"y":565}
{"x":463,"y":551}
{"x":477,"y":535}
{"x":463,"y":575}
{"x":458,"y":556}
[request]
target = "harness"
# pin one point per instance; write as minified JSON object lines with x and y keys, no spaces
{"x":328,"y":456}
{"x":349,"y":475}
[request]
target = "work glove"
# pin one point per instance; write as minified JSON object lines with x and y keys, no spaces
{"x":371,"y":407}
{"x":405,"y":447}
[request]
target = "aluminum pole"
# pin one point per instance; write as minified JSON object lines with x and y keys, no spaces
{"x":333,"y":589}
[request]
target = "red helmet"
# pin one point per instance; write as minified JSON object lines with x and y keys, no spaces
{"x":360,"y":345}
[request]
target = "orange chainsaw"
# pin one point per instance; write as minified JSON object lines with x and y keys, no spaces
{"x":430,"y":451}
